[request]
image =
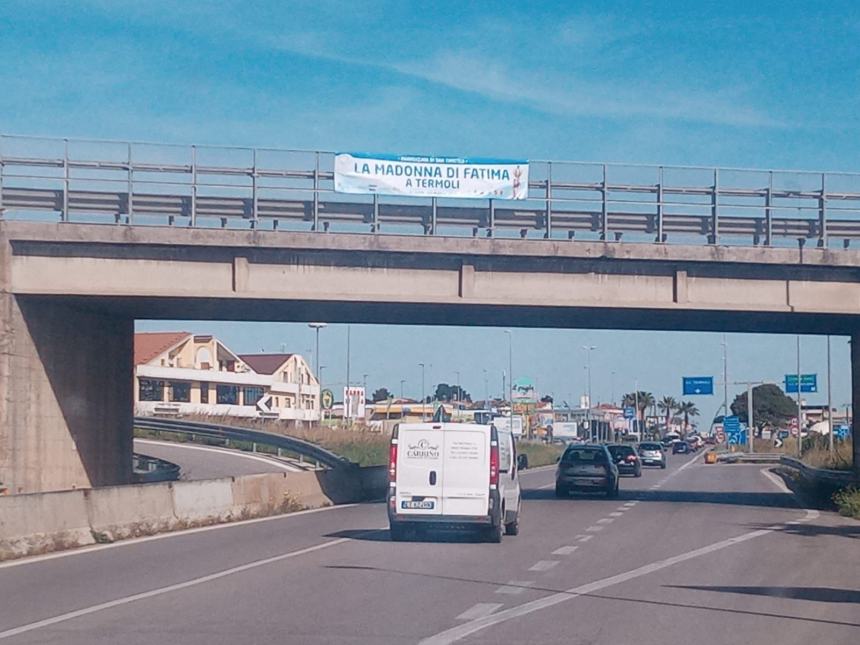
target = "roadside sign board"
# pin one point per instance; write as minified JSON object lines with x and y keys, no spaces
{"x":327,"y":399}
{"x":735,"y":436}
{"x":808,"y":383}
{"x":721,"y":436}
{"x":698,"y":385}
{"x":629,"y":413}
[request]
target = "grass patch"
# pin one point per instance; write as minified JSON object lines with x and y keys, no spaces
{"x":539,"y":453}
{"x":816,"y":453}
{"x":847,"y":501}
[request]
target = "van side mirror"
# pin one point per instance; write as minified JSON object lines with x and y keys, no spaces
{"x":522,"y":461}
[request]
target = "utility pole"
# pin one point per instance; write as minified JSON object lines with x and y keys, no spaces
{"x":423,"y":397}
{"x":316,"y":326}
{"x":348,"y":329}
{"x":750,"y":422}
{"x":725,"y":378}
{"x":829,"y":405}
{"x":799,"y":437}
{"x":402,"y":381}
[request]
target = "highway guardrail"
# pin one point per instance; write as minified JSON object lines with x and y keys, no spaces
{"x":835,"y":478}
{"x":749,"y":457}
{"x":232,"y":433}
{"x":151,"y":469}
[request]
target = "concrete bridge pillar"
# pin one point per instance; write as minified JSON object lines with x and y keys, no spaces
{"x":65,"y":393}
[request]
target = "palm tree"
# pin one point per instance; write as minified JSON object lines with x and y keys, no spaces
{"x":688,"y":409}
{"x":667,"y":406}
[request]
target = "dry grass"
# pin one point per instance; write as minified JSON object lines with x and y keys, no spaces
{"x":540,"y":454}
{"x":356,"y":444}
{"x":816,"y":453}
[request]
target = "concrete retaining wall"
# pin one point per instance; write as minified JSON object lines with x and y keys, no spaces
{"x":44,"y":522}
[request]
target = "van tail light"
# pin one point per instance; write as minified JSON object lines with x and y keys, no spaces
{"x":494,"y":463}
{"x":392,"y":462}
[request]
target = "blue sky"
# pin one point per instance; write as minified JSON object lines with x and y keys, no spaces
{"x":751,"y":84}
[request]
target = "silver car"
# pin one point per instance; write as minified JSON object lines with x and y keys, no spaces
{"x":651,"y":454}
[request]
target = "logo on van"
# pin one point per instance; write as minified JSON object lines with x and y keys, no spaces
{"x":422,"y":450}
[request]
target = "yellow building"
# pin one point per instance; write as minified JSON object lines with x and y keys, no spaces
{"x":183,"y":373}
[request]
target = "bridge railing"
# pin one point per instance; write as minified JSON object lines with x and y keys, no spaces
{"x":230,"y":187}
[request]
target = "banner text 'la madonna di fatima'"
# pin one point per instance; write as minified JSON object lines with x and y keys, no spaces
{"x":418,"y":176}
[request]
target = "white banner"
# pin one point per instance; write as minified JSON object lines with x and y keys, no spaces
{"x":418,"y":176}
{"x":353,"y":403}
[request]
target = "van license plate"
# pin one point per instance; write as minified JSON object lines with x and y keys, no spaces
{"x":426,"y":504}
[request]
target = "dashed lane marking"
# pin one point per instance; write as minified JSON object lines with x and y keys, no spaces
{"x":515,"y":587}
{"x":605,"y":520}
{"x":543,"y":565}
{"x":616,"y":514}
{"x":585,"y":538}
{"x":462,"y":631}
{"x":481,"y":610}
{"x":565,"y":550}
{"x":594,"y":529}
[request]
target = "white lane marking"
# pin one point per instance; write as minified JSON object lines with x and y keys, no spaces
{"x":15,"y":631}
{"x":565,"y":550}
{"x":170,"y":534}
{"x":776,"y":481}
{"x":543,"y":565}
{"x":458,"y":633}
{"x":552,"y":485}
{"x":224,"y":451}
{"x":605,"y":520}
{"x":594,"y":529}
{"x":585,"y":538}
{"x":631,"y":504}
{"x":616,"y":514}
{"x":481,"y":610}
{"x":515,"y":587}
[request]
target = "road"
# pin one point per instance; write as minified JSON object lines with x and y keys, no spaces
{"x":208,"y":462}
{"x":711,"y":554}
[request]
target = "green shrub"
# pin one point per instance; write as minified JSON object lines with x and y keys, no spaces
{"x":848,"y":502}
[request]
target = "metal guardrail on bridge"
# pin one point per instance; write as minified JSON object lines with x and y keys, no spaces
{"x":835,"y":478}
{"x":209,"y":186}
{"x":223,"y":432}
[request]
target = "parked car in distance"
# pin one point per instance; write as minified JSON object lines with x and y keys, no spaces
{"x":681,"y":447}
{"x":626,"y":458}
{"x":586,"y":467}
{"x":651,"y":454}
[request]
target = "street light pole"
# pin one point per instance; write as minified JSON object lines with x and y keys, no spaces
{"x":830,"y":446}
{"x":486,"y":388}
{"x":511,"y":372}
{"x":423,"y":398}
{"x":750,"y":422}
{"x":457,"y":392}
{"x":725,"y":378}
{"x":402,"y":381}
{"x":364,"y":382}
{"x":316,"y":326}
{"x":799,"y":432}
{"x":348,"y":330}
{"x":588,"y":349}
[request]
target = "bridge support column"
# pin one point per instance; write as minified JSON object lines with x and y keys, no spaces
{"x":65,"y":394}
{"x":855,"y":400}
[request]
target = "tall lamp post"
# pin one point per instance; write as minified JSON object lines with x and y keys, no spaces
{"x":510,"y":334}
{"x":588,"y":349}
{"x":316,"y":326}
{"x":423,"y":397}
{"x":457,"y":391}
{"x":402,"y":381}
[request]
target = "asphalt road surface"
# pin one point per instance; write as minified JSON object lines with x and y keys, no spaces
{"x":710,"y":554}
{"x":208,"y":462}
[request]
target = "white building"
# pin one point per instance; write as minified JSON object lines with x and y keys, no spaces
{"x":183,"y":373}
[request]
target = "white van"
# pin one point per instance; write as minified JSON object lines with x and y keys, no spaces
{"x":453,"y":475}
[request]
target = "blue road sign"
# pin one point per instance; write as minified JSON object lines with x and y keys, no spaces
{"x":629,"y":413}
{"x":808,"y":383}
{"x":735,"y":434}
{"x":698,"y":385}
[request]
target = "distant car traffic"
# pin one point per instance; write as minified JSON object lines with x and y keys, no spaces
{"x":651,"y":454}
{"x":681,"y":447}
{"x":626,"y":458}
{"x":586,"y":467}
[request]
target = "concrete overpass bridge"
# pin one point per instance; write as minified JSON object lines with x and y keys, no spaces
{"x":89,"y":243}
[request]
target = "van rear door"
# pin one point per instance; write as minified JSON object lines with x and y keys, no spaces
{"x":419,"y":469}
{"x":467,"y":469}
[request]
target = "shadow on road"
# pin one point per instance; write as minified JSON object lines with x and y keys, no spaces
{"x":771,"y":500}
{"x":817,"y":594}
{"x":837,"y":595}
{"x":813,"y":530}
{"x":425,"y":535}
